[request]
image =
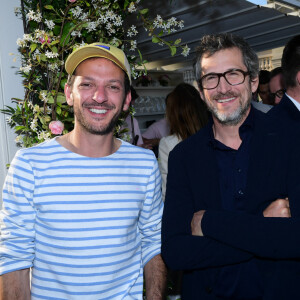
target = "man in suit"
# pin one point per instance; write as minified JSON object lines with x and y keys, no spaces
{"x":288,"y":110}
{"x":215,"y":222}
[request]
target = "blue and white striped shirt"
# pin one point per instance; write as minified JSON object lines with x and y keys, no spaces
{"x":86,"y":225}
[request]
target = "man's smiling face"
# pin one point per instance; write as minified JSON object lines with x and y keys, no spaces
{"x":97,"y":95}
{"x":229,"y":104}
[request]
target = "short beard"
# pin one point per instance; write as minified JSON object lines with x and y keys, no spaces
{"x":232,"y":119}
{"x":98,"y":131}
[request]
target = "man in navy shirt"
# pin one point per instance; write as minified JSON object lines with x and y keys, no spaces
{"x":216,"y":180}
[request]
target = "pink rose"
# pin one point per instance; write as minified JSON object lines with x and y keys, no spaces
{"x":72,"y":1}
{"x":56,"y":127}
{"x":42,"y":40}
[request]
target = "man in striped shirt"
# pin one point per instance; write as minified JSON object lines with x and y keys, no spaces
{"x":84,"y":210}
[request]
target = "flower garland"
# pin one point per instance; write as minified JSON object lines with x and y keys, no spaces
{"x":52,"y":30}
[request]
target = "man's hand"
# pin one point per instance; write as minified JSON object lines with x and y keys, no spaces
{"x":279,"y":208}
{"x":196,"y":223}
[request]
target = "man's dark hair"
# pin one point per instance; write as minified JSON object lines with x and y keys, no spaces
{"x":290,"y":61}
{"x":210,"y":44}
{"x":264,"y":76}
{"x":127,"y":86}
{"x":275,"y":72}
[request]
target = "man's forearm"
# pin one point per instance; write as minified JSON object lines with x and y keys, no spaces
{"x":15,"y":285}
{"x":155,"y":278}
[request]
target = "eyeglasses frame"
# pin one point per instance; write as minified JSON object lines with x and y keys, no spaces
{"x":245,"y":73}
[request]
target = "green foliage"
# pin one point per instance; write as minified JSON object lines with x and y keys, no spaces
{"x":52,"y":30}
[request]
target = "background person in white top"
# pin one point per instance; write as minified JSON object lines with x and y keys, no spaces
{"x":84,"y":209}
{"x":186,"y":113}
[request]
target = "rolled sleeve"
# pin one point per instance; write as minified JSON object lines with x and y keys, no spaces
{"x":17,"y":217}
{"x":150,"y":217}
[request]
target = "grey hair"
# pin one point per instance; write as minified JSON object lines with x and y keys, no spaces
{"x":210,"y":44}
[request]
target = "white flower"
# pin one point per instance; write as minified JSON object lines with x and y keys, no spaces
{"x":39,"y":33}
{"x":185,"y":51}
{"x":19,"y":139}
{"x":118,"y":21}
{"x":53,"y":67}
{"x":76,"y":11}
{"x":114,"y":42}
{"x":25,"y":69}
{"x":32,"y":16}
{"x":76,"y":33}
{"x":51,"y":54}
{"x":50,"y":24}
{"x":43,"y":97}
{"x":131,"y":7}
{"x":21,"y":43}
{"x":27,"y":37}
{"x":44,"y":135}
{"x":33,"y":124}
{"x":36,"y":53}
{"x":91,"y":26}
{"x":132,"y":31}
{"x":111,"y":15}
{"x":103,"y":19}
{"x":36,"y":109}
{"x":132,"y":45}
{"x":9,"y":120}
{"x":84,"y":17}
{"x":181,"y":24}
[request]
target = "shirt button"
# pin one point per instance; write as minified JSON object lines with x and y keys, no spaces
{"x":240,"y":192}
{"x":239,"y":170}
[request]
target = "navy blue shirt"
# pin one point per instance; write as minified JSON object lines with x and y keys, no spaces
{"x":238,"y":281}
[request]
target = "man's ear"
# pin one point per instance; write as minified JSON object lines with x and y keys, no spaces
{"x":127,"y":101}
{"x":69,"y":95}
{"x":298,"y":77}
{"x":254,"y":84}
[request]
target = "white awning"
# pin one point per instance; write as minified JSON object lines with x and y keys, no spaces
{"x":263,"y":27}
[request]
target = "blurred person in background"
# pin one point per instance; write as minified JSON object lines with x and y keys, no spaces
{"x":276,"y":85}
{"x":186,"y":113}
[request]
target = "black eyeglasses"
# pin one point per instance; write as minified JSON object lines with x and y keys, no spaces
{"x":233,"y":77}
{"x":278,"y":94}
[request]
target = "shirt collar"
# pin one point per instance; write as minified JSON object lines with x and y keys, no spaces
{"x":297,"y":104}
{"x":244,"y":129}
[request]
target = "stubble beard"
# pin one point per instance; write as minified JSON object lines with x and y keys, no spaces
{"x":233,"y":118}
{"x":98,"y":130}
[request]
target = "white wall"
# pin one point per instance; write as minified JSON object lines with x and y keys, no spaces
{"x":11,"y":28}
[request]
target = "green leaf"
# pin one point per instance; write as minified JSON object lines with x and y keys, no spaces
{"x":58,"y":110}
{"x":61,"y":98}
{"x":33,"y":47}
{"x":18,"y":128}
{"x":43,"y":57}
{"x":50,"y":7}
{"x":50,"y":100}
{"x":126,"y":4}
{"x":155,"y":40}
{"x":173,"y":50}
{"x":56,"y":30}
{"x":144,"y":11}
{"x":63,"y":83}
{"x":54,"y":49}
{"x":178,"y":41}
{"x":65,"y":38}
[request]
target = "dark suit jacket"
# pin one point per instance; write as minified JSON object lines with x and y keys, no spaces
{"x":234,"y":237}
